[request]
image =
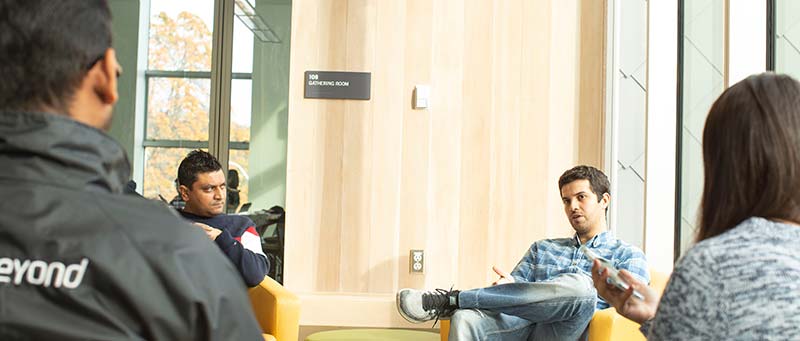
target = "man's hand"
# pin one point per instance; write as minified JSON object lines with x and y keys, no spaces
{"x":504,"y":276}
{"x":626,"y":305}
{"x":211,"y":232}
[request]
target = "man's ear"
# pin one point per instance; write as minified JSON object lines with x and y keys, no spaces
{"x":109,"y":68}
{"x":184,"y":192}
{"x":606,"y":200}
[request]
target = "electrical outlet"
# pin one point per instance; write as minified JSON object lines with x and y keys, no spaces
{"x":416,"y":261}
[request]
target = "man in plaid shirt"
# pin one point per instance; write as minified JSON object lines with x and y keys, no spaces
{"x":550,"y":294}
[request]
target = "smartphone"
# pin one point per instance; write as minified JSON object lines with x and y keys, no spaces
{"x":613,"y":273}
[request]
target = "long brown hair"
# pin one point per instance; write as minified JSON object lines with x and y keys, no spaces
{"x":751,"y":153}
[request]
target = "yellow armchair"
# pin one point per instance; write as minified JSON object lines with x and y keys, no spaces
{"x":606,"y":324}
{"x":277,"y":310}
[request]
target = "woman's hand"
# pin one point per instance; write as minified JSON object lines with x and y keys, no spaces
{"x":626,"y":305}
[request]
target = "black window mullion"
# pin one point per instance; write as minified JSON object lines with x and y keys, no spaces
{"x":189,"y":144}
{"x":679,"y":137}
{"x":191,"y":74}
{"x":771,"y":35}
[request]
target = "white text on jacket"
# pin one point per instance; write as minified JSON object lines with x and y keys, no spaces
{"x":38,"y":272}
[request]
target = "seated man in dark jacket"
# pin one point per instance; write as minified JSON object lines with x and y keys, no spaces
{"x":78,"y":259}
{"x":202,"y":187}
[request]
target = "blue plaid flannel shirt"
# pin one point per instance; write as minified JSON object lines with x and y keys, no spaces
{"x":549,"y":258}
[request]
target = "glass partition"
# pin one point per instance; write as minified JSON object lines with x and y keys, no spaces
{"x":628,"y":160}
{"x":702,"y":81}
{"x":259,"y":110}
{"x":787,"y":37}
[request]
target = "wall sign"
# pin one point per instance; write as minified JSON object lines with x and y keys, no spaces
{"x":338,"y":85}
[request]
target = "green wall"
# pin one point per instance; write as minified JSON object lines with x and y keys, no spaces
{"x":270,"y":109}
{"x":125,"y":28}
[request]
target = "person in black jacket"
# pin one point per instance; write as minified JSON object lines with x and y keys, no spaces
{"x":78,"y":258}
{"x":203,"y":188}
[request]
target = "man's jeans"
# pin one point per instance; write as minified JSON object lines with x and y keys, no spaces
{"x":559,"y":309}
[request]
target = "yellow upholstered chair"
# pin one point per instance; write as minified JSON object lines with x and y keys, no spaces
{"x":606,"y":324}
{"x":277,"y":310}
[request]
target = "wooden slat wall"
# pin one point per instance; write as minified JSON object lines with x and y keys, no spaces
{"x":517,"y":98}
{"x":591,"y":95}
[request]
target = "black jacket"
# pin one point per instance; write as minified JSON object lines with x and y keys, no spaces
{"x":239,"y":241}
{"x":79,"y":260}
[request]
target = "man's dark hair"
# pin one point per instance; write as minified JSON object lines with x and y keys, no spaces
{"x":598,"y":181}
{"x":196,"y":162}
{"x":47,"y":48}
{"x":751,"y":154}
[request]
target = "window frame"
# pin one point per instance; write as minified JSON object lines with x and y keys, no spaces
{"x":220,"y":76}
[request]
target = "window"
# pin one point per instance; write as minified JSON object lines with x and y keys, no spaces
{"x":178,"y":83}
{"x":701,"y":63}
{"x":787,"y":37}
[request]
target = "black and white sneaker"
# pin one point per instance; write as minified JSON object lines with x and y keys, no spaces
{"x":418,"y":306}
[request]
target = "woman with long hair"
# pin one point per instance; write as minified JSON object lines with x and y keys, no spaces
{"x":741,"y":280}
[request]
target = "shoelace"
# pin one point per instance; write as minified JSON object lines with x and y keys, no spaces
{"x":439,"y":302}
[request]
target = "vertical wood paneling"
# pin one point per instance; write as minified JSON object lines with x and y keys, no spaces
{"x":473,"y":263}
{"x":537,"y":189}
{"x":591,"y":99}
{"x":332,"y":16}
{"x":387,"y":142}
{"x":301,"y":171}
{"x":471,"y":180}
{"x":414,"y":184}
{"x":505,"y":135}
{"x":447,"y":75}
{"x":357,"y":152}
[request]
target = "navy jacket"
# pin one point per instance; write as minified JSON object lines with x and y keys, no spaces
{"x":240,"y":242}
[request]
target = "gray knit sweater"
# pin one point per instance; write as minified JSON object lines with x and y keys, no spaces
{"x":743,"y":284}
